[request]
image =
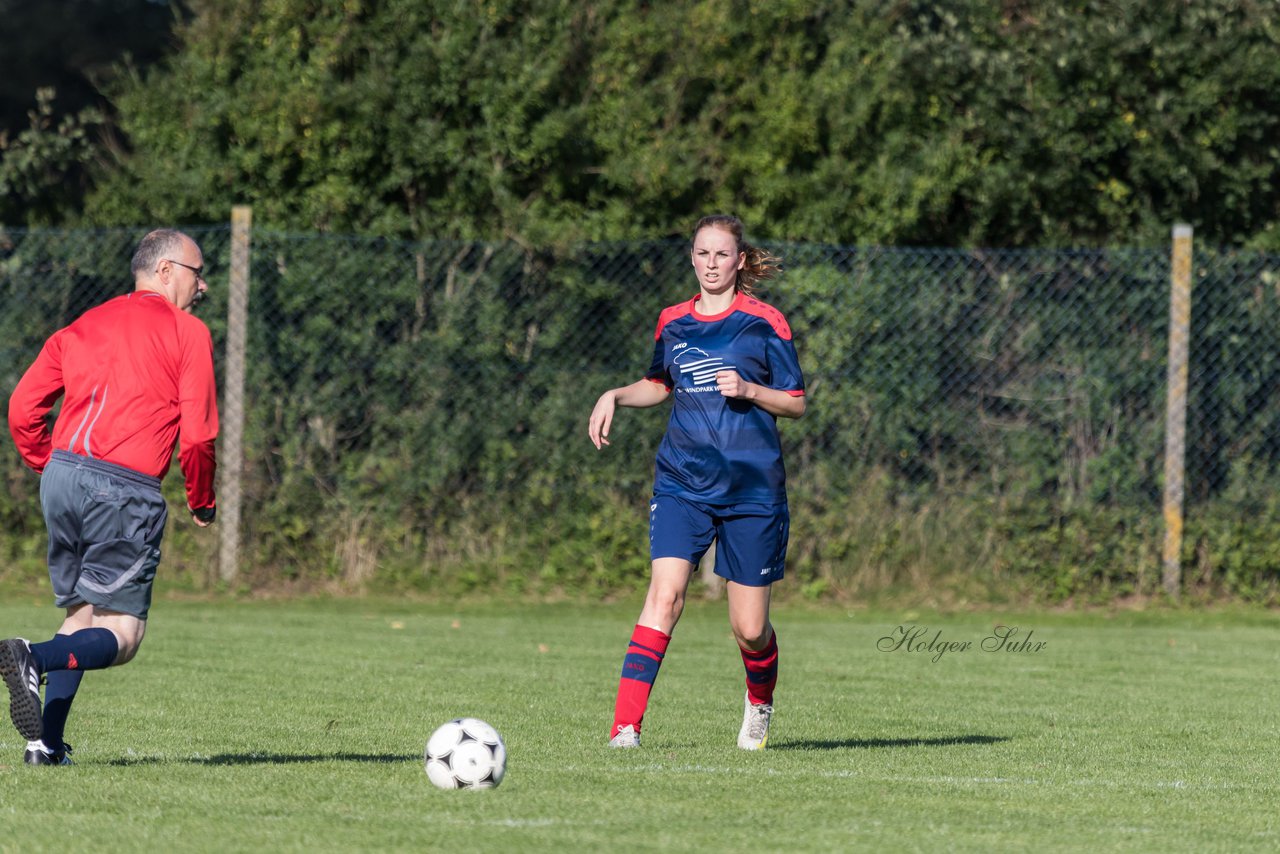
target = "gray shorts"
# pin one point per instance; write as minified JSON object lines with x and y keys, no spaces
{"x":105,"y":525}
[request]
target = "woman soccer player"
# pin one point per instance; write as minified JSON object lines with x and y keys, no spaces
{"x":729,"y":359}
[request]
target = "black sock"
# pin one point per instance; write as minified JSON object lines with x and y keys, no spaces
{"x":87,"y":649}
{"x":59,"y":690}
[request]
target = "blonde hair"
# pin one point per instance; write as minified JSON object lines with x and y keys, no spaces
{"x":759,"y":265}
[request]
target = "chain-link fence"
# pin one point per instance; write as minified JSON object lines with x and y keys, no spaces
{"x":998,"y":414}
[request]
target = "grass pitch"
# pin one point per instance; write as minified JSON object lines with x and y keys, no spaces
{"x":300,"y":726}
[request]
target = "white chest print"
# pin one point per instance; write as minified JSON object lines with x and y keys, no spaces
{"x":700,"y":365}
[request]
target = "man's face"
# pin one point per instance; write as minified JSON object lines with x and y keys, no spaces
{"x":186,"y":276}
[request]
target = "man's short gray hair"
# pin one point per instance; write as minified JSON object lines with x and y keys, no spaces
{"x":155,"y":247}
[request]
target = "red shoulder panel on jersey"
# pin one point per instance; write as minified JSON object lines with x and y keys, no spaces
{"x":673,"y":312}
{"x":751,"y":305}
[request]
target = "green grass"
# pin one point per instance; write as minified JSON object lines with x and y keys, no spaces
{"x":289,"y":726}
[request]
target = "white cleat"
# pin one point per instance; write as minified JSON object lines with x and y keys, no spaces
{"x":626,"y":737}
{"x":754,"y":734}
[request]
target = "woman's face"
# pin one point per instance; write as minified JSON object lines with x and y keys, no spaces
{"x":716,"y":259}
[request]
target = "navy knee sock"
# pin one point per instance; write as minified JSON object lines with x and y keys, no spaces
{"x":87,"y":649}
{"x":59,"y":690}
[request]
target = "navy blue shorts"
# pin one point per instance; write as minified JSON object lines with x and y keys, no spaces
{"x":105,"y":524}
{"x":751,"y":539}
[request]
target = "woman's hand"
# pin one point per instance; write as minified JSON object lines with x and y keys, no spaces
{"x":732,"y":385}
{"x":773,"y":401}
{"x":602,"y":418}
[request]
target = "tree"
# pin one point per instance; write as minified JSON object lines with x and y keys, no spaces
{"x":72,"y":47}
{"x":44,"y":171}
{"x":53,"y":116}
{"x":439,"y":119}
{"x":546,"y":121}
{"x":1105,"y":122}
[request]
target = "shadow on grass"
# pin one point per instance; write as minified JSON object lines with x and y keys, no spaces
{"x":269,"y":759}
{"x":872,"y":743}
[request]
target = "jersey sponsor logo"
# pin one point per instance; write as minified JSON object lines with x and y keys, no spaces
{"x":701,"y":367}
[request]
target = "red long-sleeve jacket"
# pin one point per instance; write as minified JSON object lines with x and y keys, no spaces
{"x":138,"y":378}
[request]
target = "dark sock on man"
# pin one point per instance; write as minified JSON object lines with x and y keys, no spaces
{"x":87,"y":649}
{"x":59,"y":690}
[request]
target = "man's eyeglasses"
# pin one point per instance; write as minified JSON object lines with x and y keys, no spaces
{"x":199,"y":271}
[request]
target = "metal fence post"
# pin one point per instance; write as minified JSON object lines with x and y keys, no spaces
{"x":1176,"y":411}
{"x":231,"y":456}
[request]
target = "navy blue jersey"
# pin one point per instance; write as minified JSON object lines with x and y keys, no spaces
{"x":717,"y":450}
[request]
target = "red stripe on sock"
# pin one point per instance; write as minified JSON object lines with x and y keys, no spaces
{"x":762,"y":671}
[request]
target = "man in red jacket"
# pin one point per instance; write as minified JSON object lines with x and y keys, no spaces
{"x":137,"y":376}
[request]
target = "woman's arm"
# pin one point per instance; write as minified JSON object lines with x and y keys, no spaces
{"x":771,"y":400}
{"x":639,"y":394}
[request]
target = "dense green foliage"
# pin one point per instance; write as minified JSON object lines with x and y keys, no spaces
{"x":981,"y":424}
{"x":44,"y":169}
{"x":56,"y":126}
{"x":549,"y":121}
{"x":416,"y":397}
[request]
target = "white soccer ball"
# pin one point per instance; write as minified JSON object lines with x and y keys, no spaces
{"x":466,"y":753}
